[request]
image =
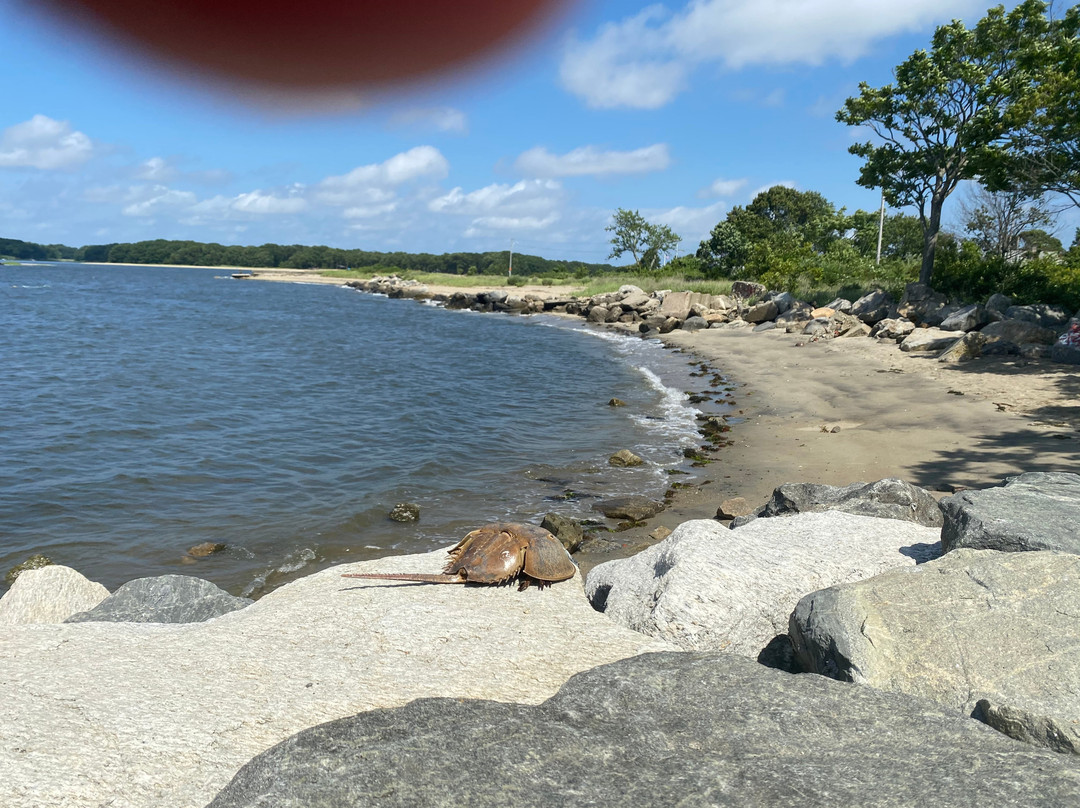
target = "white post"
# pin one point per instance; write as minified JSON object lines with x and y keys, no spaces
{"x":881,"y":226}
{"x":510,"y":271}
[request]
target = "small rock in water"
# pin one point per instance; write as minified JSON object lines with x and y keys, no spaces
{"x":624,"y":458}
{"x":34,"y":562}
{"x":566,"y":530}
{"x":405,"y":512}
{"x":616,"y":402}
{"x":205,"y":549}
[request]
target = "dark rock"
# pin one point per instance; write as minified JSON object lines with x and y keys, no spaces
{"x":873,"y":307}
{"x":566,"y":530}
{"x":970,"y":626}
{"x":886,"y":499}
{"x":34,"y":562}
{"x":783,"y":300}
{"x":163,"y":599}
{"x":207,"y":548}
{"x":616,"y":402}
{"x":840,"y":304}
{"x":1067,"y":354}
{"x":766,"y":326}
{"x":688,"y":729}
{"x":405,"y":512}
{"x":921,"y":304}
{"x":669,"y":325}
{"x":598,"y":314}
{"x":695,"y":324}
{"x":1017,"y":332}
{"x":634,"y":508}
{"x":996,"y":306}
{"x":745,"y":290}
{"x":1034,"y":511}
{"x":1041,"y":314}
{"x":967,"y":318}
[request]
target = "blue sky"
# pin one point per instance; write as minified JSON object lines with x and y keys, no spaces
{"x":679,"y":110}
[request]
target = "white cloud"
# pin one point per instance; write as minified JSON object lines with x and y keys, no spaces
{"x":764,"y":188}
{"x":642,"y":62}
{"x":161,"y":199}
{"x":259,"y":203}
{"x":486,"y":224}
{"x":589,"y":160}
{"x":443,"y":119}
{"x":527,"y":197}
{"x":45,"y":143}
{"x":721,"y":187}
{"x":692,"y":224}
{"x":364,"y":182}
{"x":369,"y":211}
{"x":156,"y":169}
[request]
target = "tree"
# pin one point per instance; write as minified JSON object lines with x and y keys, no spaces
{"x":997,"y":219}
{"x":949,"y":113}
{"x":646,"y":242}
{"x":724,"y":251}
{"x":902,"y":235}
{"x":780,"y":210}
{"x":1043,"y":153}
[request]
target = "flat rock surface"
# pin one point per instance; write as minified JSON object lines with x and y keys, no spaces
{"x":144,"y":714}
{"x":972,"y":625}
{"x":674,"y":729}
{"x":49,"y":594}
{"x":163,"y":599}
{"x":705,"y":587}
{"x":1033,"y":511}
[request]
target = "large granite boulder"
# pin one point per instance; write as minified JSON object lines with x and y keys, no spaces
{"x":1033,"y":511}
{"x":1041,"y":314}
{"x":762,"y":312}
{"x":894,"y":328}
{"x":890,"y":498}
{"x":966,"y":318}
{"x":873,"y":307}
{"x":660,"y":730}
{"x":928,"y":339}
{"x":922,"y":304}
{"x":973,"y":626}
{"x":968,"y":347}
{"x":1018,"y":332}
{"x":705,"y":587}
{"x":150,"y":714}
{"x":163,"y":599}
{"x":49,"y":594}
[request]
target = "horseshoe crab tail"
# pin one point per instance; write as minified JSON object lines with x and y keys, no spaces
{"x":416,"y":577}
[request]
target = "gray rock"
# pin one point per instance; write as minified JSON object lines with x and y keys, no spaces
{"x":847,"y":325}
{"x":873,"y":307}
{"x":972,"y":625}
{"x":634,"y":508}
{"x":405,"y":512}
{"x":1030,"y":350}
{"x":895,"y":328}
{"x":921,"y":304}
{"x":746,"y":290}
{"x":967,"y":318}
{"x":695,"y":324}
{"x":49,"y":594}
{"x":598,"y":314}
{"x":1067,"y":354}
{"x":1041,"y":314}
{"x":761,"y":312}
{"x":568,"y":531}
{"x":928,"y":339}
{"x":784,"y":301}
{"x":142,"y":714}
{"x":996,"y":306}
{"x":816,"y":326}
{"x":1033,"y":511}
{"x":840,"y":304}
{"x":965,"y":349}
{"x":674,"y":729}
{"x":676,"y":304}
{"x":885,"y":499}
{"x":669,"y":325}
{"x":767,"y":326}
{"x":163,"y":599}
{"x":1018,"y":331}
{"x":733,"y":508}
{"x":709,"y":588}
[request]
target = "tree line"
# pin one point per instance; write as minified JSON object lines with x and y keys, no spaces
{"x":298,"y":256}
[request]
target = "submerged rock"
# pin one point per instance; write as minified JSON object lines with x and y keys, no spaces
{"x":405,"y":512}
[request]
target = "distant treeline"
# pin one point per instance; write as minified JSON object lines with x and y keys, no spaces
{"x":297,"y":256}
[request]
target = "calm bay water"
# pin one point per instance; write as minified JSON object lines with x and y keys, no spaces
{"x":146,"y":410}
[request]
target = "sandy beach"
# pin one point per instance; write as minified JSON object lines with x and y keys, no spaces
{"x":858,"y":409}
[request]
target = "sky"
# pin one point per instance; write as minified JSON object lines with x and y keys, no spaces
{"x":679,"y":110}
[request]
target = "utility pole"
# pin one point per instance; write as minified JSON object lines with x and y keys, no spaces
{"x":510,"y":271}
{"x":881,"y":227}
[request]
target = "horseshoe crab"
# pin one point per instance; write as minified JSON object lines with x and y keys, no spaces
{"x":497,"y":554}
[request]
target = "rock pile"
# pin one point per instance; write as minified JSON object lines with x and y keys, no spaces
{"x":923,"y":320}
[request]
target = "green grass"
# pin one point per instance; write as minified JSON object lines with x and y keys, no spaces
{"x":650,"y":283}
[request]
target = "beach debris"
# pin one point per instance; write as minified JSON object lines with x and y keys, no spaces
{"x":405,"y":512}
{"x":34,"y":562}
{"x":624,"y":458}
{"x":497,"y":554}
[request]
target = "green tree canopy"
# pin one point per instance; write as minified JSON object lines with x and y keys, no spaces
{"x":647,"y":243}
{"x":781,"y":210}
{"x":949,"y":113}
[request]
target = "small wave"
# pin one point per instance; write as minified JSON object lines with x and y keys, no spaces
{"x":293,"y":562}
